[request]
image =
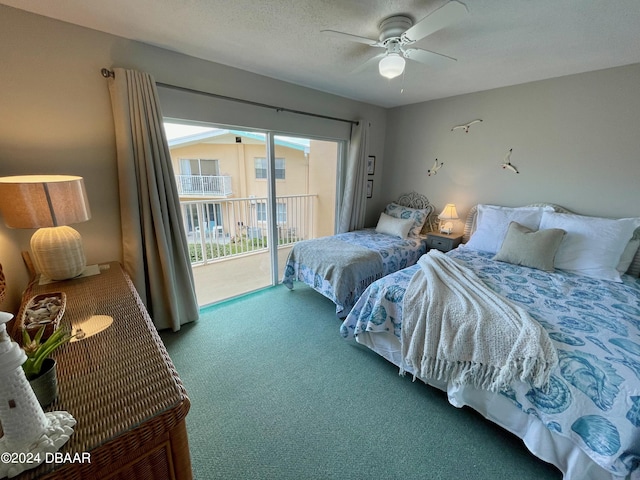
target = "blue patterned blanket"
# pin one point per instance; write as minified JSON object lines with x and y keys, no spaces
{"x":394,"y":253}
{"x":594,"y":395}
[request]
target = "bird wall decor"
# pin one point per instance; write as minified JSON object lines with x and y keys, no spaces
{"x":436,"y":166}
{"x":506,"y":164}
{"x":466,"y":126}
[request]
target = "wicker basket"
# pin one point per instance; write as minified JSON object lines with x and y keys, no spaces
{"x":46,"y":310}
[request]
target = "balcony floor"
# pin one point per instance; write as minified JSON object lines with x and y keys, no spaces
{"x":235,"y":276}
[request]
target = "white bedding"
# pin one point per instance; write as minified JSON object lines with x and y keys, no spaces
{"x":588,"y":424}
{"x":455,"y":328}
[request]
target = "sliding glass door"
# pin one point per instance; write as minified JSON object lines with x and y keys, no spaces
{"x":247,"y":197}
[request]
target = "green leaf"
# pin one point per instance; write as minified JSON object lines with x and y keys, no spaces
{"x":35,"y":358}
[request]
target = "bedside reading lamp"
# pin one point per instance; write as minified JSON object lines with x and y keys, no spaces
{"x":448,"y":213}
{"x":49,"y":203}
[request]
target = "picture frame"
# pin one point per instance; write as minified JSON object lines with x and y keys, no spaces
{"x":371,"y":165}
{"x":369,"y":188}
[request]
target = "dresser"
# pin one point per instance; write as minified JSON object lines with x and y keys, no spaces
{"x":120,"y":385}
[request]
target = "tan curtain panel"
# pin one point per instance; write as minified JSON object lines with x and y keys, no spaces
{"x":155,"y":249}
{"x":354,"y":198}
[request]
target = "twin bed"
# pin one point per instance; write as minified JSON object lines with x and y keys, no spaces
{"x":577,"y":277}
{"x":342,"y":266}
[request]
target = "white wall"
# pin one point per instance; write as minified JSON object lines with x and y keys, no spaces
{"x":575,"y":140}
{"x":55,"y":116}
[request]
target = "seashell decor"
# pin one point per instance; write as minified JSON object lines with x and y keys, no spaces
{"x":44,"y":310}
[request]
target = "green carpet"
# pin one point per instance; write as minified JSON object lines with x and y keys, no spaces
{"x":277,"y":394}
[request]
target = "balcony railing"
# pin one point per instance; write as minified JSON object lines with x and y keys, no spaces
{"x":221,"y":229}
{"x":213,"y":185}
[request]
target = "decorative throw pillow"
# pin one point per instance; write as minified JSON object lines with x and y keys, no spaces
{"x":530,"y":248}
{"x":493,"y":221}
{"x":418,"y":216}
{"x":394,"y":226}
{"x":593,"y":246}
{"x":634,"y":266}
{"x":630,"y":251}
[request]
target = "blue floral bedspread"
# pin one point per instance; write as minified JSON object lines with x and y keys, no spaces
{"x":395,"y":253}
{"x":594,"y":394}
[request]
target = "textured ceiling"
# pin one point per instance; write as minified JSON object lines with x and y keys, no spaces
{"x":498,"y":43}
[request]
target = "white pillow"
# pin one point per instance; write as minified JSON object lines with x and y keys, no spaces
{"x":592,"y":246}
{"x":398,"y":227}
{"x":492,"y":222}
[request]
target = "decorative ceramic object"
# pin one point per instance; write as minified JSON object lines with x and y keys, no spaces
{"x":27,"y":428}
{"x":466,"y":126}
{"x":507,"y":165}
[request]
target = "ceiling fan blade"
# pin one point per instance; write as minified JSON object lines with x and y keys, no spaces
{"x":446,"y":15}
{"x":352,"y":38}
{"x":427,"y":57}
{"x":372,"y":62}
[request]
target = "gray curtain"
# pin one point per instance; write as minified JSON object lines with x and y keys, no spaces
{"x":354,"y":198}
{"x":155,"y":250}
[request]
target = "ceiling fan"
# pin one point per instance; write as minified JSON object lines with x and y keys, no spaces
{"x":399,"y":32}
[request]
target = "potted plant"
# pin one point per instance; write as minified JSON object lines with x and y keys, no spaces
{"x":40,"y":368}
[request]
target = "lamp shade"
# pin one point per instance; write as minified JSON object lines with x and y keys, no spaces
{"x":391,"y":65}
{"x":34,"y":201}
{"x":449,"y":212}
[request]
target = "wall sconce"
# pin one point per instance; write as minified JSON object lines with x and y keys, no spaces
{"x":448,"y":214}
{"x":49,"y":203}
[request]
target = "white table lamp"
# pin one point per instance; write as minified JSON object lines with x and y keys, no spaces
{"x":448,"y":214}
{"x":49,"y":203}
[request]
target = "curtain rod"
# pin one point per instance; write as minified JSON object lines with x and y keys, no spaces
{"x":106,"y":73}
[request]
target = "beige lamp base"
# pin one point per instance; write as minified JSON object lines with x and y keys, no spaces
{"x":58,"y":253}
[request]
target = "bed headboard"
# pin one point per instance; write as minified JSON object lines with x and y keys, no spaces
{"x":419,"y":201}
{"x":414,"y":200}
{"x":470,"y":227}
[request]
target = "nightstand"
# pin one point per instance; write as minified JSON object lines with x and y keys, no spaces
{"x":442,"y":241}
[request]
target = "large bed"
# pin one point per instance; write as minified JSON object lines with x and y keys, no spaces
{"x":586,"y":419}
{"x":342,"y":266}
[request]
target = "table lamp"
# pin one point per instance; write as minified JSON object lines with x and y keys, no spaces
{"x":49,"y":203}
{"x":448,"y":213}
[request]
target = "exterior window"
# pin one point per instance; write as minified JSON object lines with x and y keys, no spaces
{"x":261,"y":168}
{"x":281,"y":212}
{"x":199,"y":166}
{"x":280,"y":168}
{"x":261,"y":212}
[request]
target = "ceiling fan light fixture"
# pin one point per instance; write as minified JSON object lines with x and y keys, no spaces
{"x":391,"y":65}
